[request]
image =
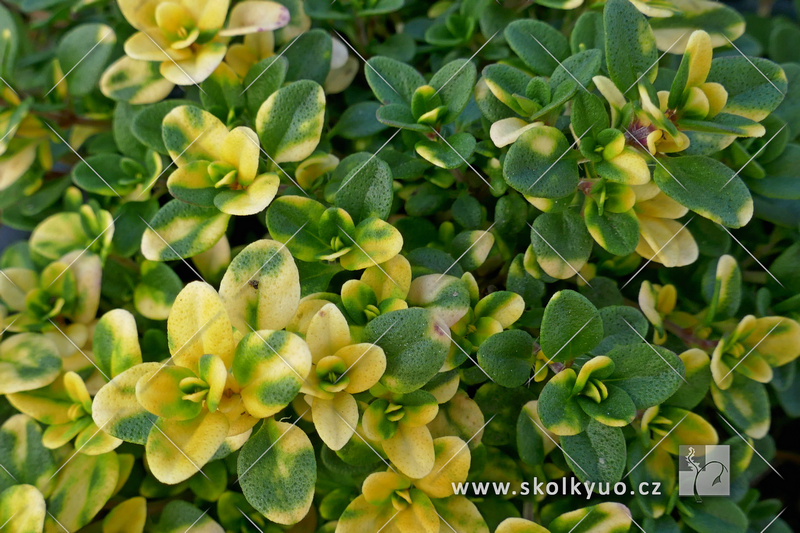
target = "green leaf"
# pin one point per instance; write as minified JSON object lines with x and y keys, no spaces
{"x":10,"y":42}
{"x":392,"y":82}
{"x":285,"y":218}
{"x":366,"y":190}
{"x":745,"y":404}
{"x":146,"y":126}
{"x":538,"y":44}
{"x":211,"y":486}
{"x":722,"y":288}
{"x":579,"y":68}
{"x":381,"y":7}
{"x":607,"y":517}
{"x":630,"y":45}
{"x":84,"y":69}
{"x":506,"y":357}
{"x":713,"y":515}
{"x":447,"y":297}
{"x":598,"y":454}
{"x":530,"y":444}
{"x":179,"y":515}
{"x":617,"y":410}
{"x":698,"y":378}
{"x":157,"y":289}
{"x":558,"y":408}
{"x":588,"y":33}
{"x":450,"y":153}
{"x":588,"y":113}
{"x":415,"y":344}
{"x":652,"y":465}
{"x":270,"y":366}
{"x":472,"y":248}
{"x":277,"y":472}
{"x":116,"y":342}
{"x":222,"y":94}
{"x":191,"y":134}
{"x":649,"y":374}
{"x":289,"y":123}
{"x":538,"y":164}
{"x":707,"y":187}
{"x":116,"y":409}
{"x":722,"y":22}
{"x":617,"y":322}
{"x":315,"y":277}
{"x":454,"y":83}
{"x":468,"y":213}
{"x":26,"y":497}
{"x":373,"y":242}
{"x":180,"y":230}
{"x":135,"y":82}
{"x":28,"y":361}
{"x":309,"y":56}
{"x":82,"y":489}
{"x":618,"y":233}
{"x":755,"y":86}
{"x":359,"y":120}
{"x":789,"y":110}
{"x":571,"y":326}
{"x":23,"y":456}
{"x":103,"y":174}
{"x":56,"y":236}
{"x":725,"y":124}
{"x":129,"y":227}
{"x":561,"y":242}
{"x":400,"y":116}
{"x":263,"y":79}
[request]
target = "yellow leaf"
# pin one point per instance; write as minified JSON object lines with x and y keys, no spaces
{"x":127,"y":517}
{"x":365,"y":365}
{"x":327,"y":332}
{"x":699,"y":52}
{"x":507,"y":130}
{"x":199,"y":324}
{"x":411,"y":450}
{"x":195,"y":69}
{"x":776,"y":338}
{"x":419,"y":517}
{"x":450,"y":466}
{"x":520,"y":525}
{"x":256,"y":16}
{"x":379,"y":487}
{"x":666,"y":242}
{"x":391,"y":280}
{"x":335,"y":420}
{"x":153,"y":47}
{"x":176,"y":450}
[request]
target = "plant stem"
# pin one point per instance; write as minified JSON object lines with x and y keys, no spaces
{"x":689,"y":338}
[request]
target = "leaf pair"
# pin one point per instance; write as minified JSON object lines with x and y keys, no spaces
{"x":312,"y":232}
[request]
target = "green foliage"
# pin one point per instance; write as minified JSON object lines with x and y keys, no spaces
{"x":320,"y":266}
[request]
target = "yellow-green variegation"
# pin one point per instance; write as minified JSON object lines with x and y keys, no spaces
{"x":411,"y":504}
{"x":340,"y":369}
{"x":312,"y":233}
{"x":277,"y":472}
{"x":754,"y":348}
{"x":381,"y":289}
{"x":261,"y":287}
{"x":216,"y":167}
{"x":184,"y":41}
